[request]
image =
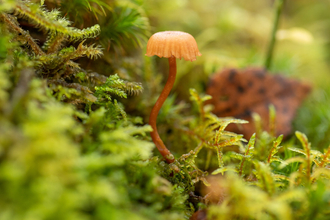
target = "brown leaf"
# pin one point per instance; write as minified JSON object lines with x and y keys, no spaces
{"x":199,"y":215}
{"x":239,"y":93}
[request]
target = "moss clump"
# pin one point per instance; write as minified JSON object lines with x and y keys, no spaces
{"x":58,"y":161}
{"x":68,"y":150}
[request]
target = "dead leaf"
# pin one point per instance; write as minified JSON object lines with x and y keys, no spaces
{"x":199,"y":215}
{"x":239,"y":93}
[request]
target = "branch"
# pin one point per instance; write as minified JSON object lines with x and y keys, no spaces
{"x":14,"y":27}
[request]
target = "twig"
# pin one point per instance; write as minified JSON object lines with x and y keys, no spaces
{"x":270,"y":51}
{"x":14,"y":27}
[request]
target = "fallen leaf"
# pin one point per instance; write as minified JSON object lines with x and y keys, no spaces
{"x":239,"y":93}
{"x":199,"y":215}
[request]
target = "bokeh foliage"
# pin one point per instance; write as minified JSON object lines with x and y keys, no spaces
{"x":73,"y":138}
{"x":60,"y":159}
{"x":236,"y":34}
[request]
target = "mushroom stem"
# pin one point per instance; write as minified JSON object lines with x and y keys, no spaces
{"x":154,"y":112}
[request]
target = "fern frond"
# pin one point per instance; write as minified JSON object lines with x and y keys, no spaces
{"x":120,"y":140}
{"x":194,"y":96}
{"x":292,"y":195}
{"x":248,"y":152}
{"x":234,"y":155}
{"x":292,"y":160}
{"x":304,"y":141}
{"x":142,"y":131}
{"x":275,"y":148}
{"x":133,"y":88}
{"x":55,"y":61}
{"x":53,"y":42}
{"x":228,"y":142}
{"x":122,"y":112}
{"x":320,"y":172}
{"x":49,"y":21}
{"x":224,"y":169}
{"x":226,"y":121}
{"x":325,"y":158}
{"x":54,"y":14}
{"x":307,"y":148}
{"x":220,"y":157}
{"x":112,"y":86}
{"x":75,"y":89}
{"x":257,"y":123}
{"x":300,"y":151}
{"x":265,"y":177}
{"x":210,"y":129}
{"x":92,"y":52}
{"x":228,"y":134}
{"x":279,"y":177}
{"x":272,"y":120}
{"x":276,"y":159}
{"x":91,"y":79}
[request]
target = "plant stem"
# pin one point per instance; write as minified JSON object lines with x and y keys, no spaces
{"x":325,"y":156}
{"x":270,"y":50}
{"x":154,"y":112}
{"x":24,"y":36}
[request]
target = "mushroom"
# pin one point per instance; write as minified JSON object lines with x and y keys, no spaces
{"x":171,"y":45}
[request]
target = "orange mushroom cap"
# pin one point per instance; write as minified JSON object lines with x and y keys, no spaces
{"x":173,"y":43}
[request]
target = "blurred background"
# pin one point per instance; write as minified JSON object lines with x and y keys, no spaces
{"x":80,"y":173}
{"x":236,"y":34}
{"x":229,"y":34}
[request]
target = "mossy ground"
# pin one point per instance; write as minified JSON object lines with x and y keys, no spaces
{"x":76,"y":91}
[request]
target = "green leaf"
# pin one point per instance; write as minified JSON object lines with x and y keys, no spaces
{"x":224,"y":169}
{"x":292,"y":160}
{"x":304,"y":141}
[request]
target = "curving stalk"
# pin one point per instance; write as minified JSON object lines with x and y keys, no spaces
{"x":154,"y":112}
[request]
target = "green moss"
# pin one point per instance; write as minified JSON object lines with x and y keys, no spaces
{"x":69,"y":150}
